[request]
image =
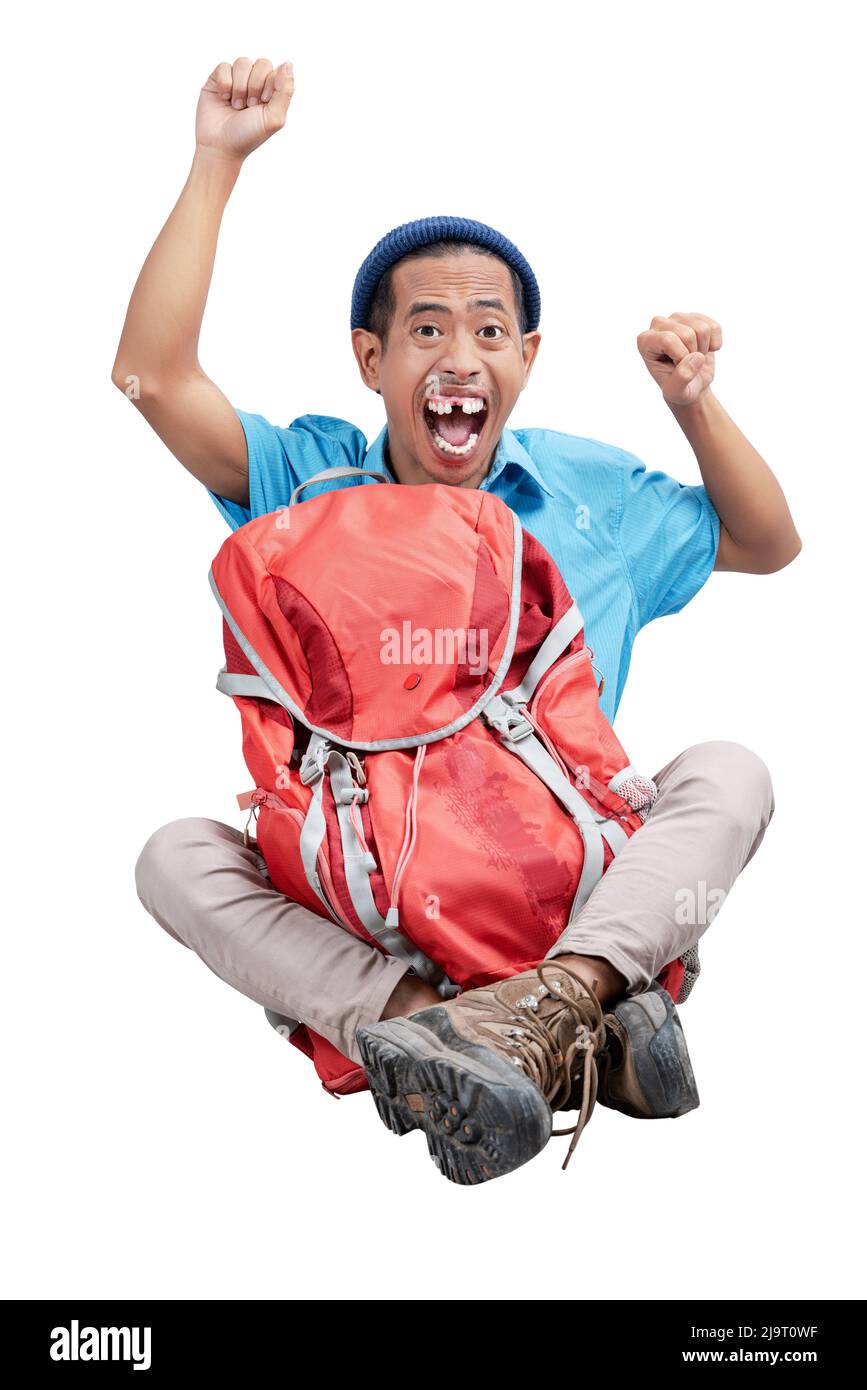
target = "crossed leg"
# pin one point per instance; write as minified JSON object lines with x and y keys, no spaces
{"x":211,"y":893}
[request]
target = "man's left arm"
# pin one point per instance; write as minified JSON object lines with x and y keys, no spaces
{"x":757,"y":534}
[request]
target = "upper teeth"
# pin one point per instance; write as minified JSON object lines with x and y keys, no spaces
{"x":469,"y":405}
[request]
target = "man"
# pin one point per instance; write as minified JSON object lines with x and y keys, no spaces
{"x":449,"y":308}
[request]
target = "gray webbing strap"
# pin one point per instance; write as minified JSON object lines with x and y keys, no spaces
{"x":554,"y":645}
{"x":234,"y":683}
{"x":536,"y":756}
{"x":522,"y":740}
{"x":594,"y":857}
{"x":591,"y":869}
{"x":313,"y":829}
{"x":358,"y":869}
{"x":343,"y":789}
{"x":613,"y":832}
{"x":593,"y":826}
{"x":341,"y":472}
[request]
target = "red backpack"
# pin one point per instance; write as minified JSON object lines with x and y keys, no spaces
{"x":420,"y":716}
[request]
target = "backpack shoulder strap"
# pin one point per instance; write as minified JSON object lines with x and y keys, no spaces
{"x":554,"y":645}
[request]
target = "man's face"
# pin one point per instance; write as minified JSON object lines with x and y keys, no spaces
{"x":454,"y":338}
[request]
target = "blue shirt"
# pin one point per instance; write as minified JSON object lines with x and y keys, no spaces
{"x":631,"y":545}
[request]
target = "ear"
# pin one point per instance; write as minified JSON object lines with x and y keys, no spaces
{"x":531,"y":343}
{"x":368,"y":354}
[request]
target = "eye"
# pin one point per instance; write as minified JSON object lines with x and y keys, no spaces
{"x":493,"y":325}
{"x":426,"y":325}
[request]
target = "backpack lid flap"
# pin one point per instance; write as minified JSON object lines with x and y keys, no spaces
{"x":381,"y":617}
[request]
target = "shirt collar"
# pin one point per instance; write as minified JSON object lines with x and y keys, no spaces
{"x":509,"y":450}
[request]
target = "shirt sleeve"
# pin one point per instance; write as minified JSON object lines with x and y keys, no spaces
{"x":669,"y":534}
{"x":279,"y":457}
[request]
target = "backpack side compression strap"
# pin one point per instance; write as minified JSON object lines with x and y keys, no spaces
{"x":320,"y":757}
{"x":517,"y":734}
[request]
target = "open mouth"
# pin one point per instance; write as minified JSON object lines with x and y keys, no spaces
{"x":456,"y":421}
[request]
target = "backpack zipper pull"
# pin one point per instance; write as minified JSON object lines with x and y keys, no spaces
{"x":256,"y":798}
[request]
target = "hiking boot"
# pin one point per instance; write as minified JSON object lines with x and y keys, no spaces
{"x":482,"y":1073}
{"x":644,"y":1067}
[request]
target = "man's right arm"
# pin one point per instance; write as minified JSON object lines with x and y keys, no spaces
{"x":157,"y":362}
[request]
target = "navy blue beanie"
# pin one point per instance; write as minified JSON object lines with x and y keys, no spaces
{"x":422,"y":232}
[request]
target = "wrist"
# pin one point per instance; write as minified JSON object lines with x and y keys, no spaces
{"x":220,"y":163}
{"x":704,"y":408}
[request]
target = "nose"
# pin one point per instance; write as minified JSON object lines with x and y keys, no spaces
{"x":460,"y":358}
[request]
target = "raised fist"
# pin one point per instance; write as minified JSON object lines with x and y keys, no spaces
{"x":241,"y":105}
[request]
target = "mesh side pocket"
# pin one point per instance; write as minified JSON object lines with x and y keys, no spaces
{"x":691,"y":971}
{"x":638,"y":792}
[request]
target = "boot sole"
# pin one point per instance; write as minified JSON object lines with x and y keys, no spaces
{"x":481,"y":1117}
{"x":660,"y":1056}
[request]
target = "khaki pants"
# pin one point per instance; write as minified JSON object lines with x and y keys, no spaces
{"x":657,"y":898}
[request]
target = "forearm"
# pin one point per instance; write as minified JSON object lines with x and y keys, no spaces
{"x":747,"y":497}
{"x":164,"y":318}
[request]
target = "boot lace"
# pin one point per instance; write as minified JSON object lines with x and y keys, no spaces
{"x":542,"y":1059}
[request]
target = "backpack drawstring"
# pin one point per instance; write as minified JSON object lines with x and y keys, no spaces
{"x":354,"y":816}
{"x":409,"y":837}
{"x":547,"y":742}
{"x":357,"y":825}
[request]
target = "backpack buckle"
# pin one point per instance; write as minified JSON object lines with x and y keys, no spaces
{"x":346,"y":795}
{"x":313,"y":763}
{"x":507,"y":720}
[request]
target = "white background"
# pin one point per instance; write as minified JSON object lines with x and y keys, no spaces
{"x":162,"y":1141}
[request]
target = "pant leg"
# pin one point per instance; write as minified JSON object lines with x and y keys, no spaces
{"x":208,"y":891}
{"x":660,"y":894}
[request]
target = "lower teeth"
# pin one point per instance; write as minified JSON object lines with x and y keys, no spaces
{"x":448,"y":448}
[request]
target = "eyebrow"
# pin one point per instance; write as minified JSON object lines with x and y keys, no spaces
{"x":426,"y":306}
